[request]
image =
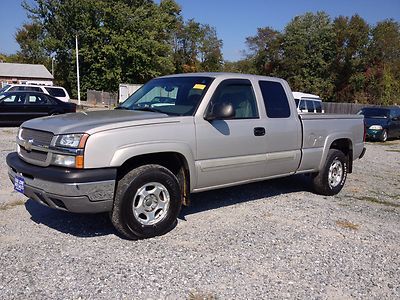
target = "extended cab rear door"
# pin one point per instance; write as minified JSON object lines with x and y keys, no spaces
{"x":283,"y":127}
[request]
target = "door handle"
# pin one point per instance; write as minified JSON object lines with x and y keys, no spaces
{"x":259,"y":131}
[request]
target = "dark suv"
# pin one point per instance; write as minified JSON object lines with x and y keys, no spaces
{"x":381,"y":122}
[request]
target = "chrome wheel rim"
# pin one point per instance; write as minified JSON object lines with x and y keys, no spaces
{"x":384,"y":138}
{"x":151,"y":203}
{"x":335,"y":174}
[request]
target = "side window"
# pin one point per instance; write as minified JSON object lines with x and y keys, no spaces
{"x":275,"y":100}
{"x":238,"y":92}
{"x":14,"y":99}
{"x":14,"y":88}
{"x":318,"y":106}
{"x":302,"y":106}
{"x":37,"y":100}
{"x":310,"y":106}
{"x":56,"y":92}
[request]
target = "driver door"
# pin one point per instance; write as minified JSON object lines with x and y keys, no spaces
{"x":231,"y":150}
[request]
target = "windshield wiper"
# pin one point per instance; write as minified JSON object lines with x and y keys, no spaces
{"x":152,"y":109}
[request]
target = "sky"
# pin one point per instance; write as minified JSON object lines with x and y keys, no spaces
{"x":233,"y":20}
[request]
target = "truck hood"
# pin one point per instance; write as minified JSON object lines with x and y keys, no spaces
{"x":94,"y":121}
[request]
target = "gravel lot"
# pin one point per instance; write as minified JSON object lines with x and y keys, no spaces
{"x":273,"y":239}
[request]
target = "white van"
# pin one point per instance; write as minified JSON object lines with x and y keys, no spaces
{"x":55,"y":91}
{"x":308,"y":103}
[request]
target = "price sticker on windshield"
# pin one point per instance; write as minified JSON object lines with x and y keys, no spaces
{"x":199,"y":86}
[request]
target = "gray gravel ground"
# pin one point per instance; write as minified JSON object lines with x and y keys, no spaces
{"x":273,"y":239}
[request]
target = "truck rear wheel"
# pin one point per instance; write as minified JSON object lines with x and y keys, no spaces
{"x":147,"y":202}
{"x":330,"y":180}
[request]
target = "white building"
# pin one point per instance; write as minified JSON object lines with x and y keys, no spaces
{"x":24,"y":74}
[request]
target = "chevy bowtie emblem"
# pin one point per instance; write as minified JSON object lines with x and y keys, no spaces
{"x":28,"y":145}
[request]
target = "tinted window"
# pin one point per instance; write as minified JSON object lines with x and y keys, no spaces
{"x":375,"y":112}
{"x":25,"y":88}
{"x":13,"y":99}
{"x":4,"y":88}
{"x":318,"y":106}
{"x":240,"y":94}
{"x":37,"y":100}
{"x":56,"y":92}
{"x":310,"y":105}
{"x":275,"y":100}
{"x":302,"y":105}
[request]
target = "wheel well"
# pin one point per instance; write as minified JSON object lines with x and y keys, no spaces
{"x":173,"y":161}
{"x":346,"y":147}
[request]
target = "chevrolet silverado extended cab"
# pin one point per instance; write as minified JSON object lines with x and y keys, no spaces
{"x":177,"y":135}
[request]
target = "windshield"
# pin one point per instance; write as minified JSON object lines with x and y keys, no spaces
{"x":374,"y":113}
{"x":177,"y":96}
{"x":4,"y":88}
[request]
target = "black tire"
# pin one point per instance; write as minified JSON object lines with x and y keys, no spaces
{"x":126,"y":216}
{"x":322,"y":183}
{"x":384,"y":136}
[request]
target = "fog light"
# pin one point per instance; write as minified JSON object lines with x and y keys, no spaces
{"x":64,"y":160}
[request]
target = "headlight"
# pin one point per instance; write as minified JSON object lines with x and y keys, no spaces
{"x":376,"y":127}
{"x":73,"y":157}
{"x":76,"y":140}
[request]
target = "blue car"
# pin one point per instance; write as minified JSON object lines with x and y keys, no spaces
{"x":381,"y":122}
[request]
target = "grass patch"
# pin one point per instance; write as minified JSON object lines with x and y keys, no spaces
{"x":375,"y":200}
{"x":347,"y":224}
{"x":196,"y":295}
{"x":393,"y":150}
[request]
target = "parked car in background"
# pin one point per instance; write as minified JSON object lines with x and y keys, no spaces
{"x":308,"y":103}
{"x":55,"y":91}
{"x":381,"y":122}
{"x":18,"y":107}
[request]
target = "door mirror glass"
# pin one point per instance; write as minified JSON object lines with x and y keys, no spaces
{"x":220,"y":111}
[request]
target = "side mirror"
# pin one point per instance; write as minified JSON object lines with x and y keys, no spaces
{"x":220,"y":111}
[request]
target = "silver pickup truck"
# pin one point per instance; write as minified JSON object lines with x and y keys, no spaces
{"x":177,"y":135}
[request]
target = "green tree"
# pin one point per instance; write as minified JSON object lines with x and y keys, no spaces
{"x":264,"y":51}
{"x":307,"y":53}
{"x":383,"y":74}
{"x":349,"y":65}
{"x":30,"y":40}
{"x":197,"y":48}
{"x":119,"y":41}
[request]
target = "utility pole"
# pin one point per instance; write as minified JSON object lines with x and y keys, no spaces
{"x":52,"y":66}
{"x":77,"y":70}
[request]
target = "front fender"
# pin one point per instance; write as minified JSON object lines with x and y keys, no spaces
{"x":125,"y":153}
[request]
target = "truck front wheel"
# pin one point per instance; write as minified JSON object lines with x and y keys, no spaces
{"x":330,"y":180}
{"x":147,"y":202}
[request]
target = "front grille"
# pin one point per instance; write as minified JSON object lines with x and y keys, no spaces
{"x":34,"y":154}
{"x":39,"y":137}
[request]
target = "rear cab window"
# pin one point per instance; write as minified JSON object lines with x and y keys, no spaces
{"x":275,"y":99}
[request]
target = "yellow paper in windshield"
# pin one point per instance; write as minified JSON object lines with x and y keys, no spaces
{"x":199,"y":86}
